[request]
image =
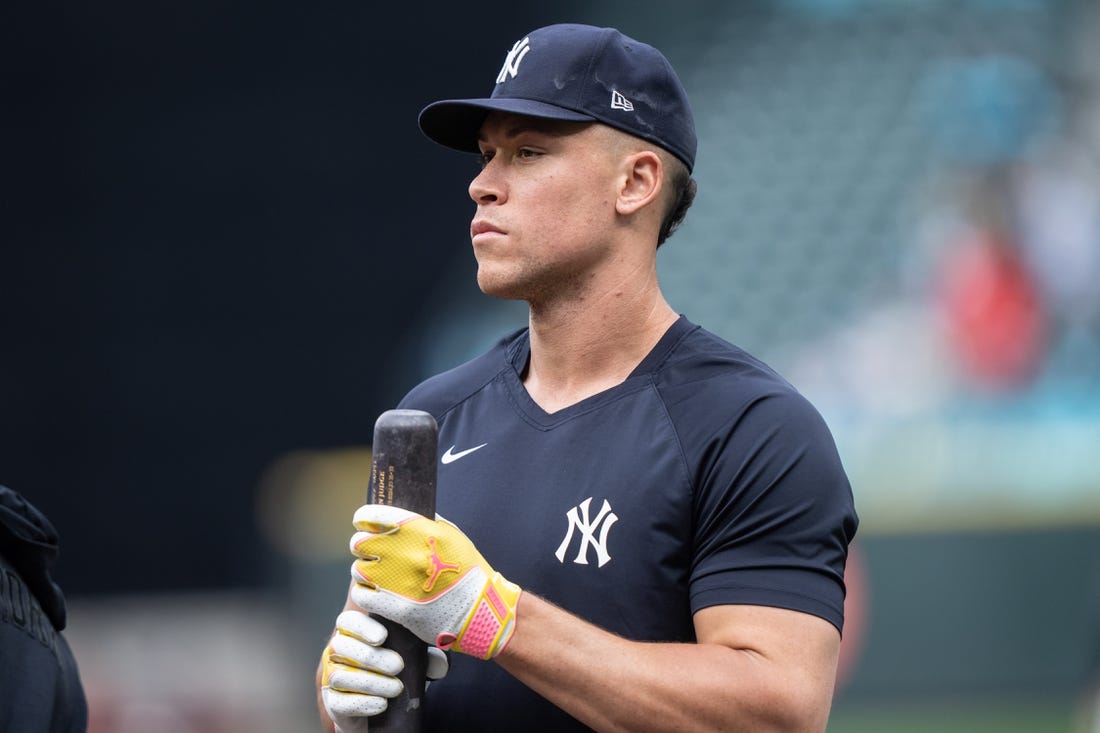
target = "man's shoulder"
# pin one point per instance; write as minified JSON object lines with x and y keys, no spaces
{"x":702,"y":359}
{"x":440,"y":393}
{"x":708,"y":381}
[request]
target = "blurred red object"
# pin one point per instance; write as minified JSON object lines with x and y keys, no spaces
{"x":994,"y":311}
{"x":855,"y":615}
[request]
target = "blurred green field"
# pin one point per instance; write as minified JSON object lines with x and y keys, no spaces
{"x":957,"y":717}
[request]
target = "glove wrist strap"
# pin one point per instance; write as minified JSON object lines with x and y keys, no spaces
{"x":491,"y":622}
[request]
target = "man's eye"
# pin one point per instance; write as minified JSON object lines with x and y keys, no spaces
{"x":484,"y":159}
{"x":528,"y":153}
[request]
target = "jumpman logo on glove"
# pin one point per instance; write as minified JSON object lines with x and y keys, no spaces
{"x":436,"y":566}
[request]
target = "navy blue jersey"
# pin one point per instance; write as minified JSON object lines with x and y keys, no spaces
{"x":702,"y":479}
{"x":40,"y":686}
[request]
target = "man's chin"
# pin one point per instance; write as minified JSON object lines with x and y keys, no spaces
{"x":499,"y":288}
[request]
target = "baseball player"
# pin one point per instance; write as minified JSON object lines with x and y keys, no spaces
{"x":642,"y":527}
{"x":40,"y":686}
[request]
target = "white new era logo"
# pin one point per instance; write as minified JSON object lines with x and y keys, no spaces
{"x":511,"y":63}
{"x":618,"y":101}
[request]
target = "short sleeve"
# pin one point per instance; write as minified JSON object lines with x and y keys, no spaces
{"x":774,"y":513}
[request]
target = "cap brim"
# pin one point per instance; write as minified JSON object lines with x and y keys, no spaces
{"x":456,"y":123}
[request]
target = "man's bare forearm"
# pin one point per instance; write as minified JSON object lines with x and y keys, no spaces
{"x":613,"y":684}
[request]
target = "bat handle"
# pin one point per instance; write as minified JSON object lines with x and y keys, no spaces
{"x":404,"y":713}
{"x":403,"y":474}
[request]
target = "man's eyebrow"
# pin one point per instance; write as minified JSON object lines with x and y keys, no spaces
{"x":551,"y":128}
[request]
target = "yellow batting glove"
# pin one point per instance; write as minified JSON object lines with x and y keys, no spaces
{"x":427,"y":576}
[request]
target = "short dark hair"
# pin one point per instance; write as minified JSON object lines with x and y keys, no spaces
{"x":683,"y":194}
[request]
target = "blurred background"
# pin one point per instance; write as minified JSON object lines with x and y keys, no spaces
{"x":226,"y":248}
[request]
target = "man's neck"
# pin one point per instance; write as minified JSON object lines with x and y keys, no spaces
{"x":582,"y":348}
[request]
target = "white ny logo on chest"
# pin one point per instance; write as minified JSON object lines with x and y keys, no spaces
{"x":578,"y":518}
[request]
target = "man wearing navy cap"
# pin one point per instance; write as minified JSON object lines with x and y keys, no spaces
{"x":654,"y":524}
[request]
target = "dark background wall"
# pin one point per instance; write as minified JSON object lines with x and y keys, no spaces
{"x":218,"y":220}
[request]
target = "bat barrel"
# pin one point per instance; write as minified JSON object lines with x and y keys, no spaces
{"x":403,"y":474}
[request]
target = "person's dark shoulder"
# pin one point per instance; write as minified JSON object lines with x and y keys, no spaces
{"x":441,"y":393}
{"x":703,"y":367}
{"x":29,"y":542}
{"x":713,"y":389}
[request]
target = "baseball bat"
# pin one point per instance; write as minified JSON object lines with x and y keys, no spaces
{"x":403,"y":474}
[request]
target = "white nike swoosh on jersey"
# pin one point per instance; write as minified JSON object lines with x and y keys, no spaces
{"x":450,"y":456}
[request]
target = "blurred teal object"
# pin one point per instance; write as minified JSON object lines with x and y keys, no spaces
{"x":986,"y":110}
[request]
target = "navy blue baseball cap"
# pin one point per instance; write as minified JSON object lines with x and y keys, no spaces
{"x":578,"y":73}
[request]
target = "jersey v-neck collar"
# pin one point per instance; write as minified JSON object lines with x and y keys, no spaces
{"x":519,"y":353}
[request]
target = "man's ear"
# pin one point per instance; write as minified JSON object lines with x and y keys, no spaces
{"x":643,"y":177}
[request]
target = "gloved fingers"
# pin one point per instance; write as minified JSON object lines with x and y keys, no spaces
{"x":350,"y":710}
{"x":361,"y":574}
{"x":359,"y":625}
{"x":343,"y":678}
{"x":375,"y":522}
{"x":368,"y":597}
{"x":348,"y":651}
{"x":438,"y":664}
{"x":381,"y":518}
{"x":361,"y":548}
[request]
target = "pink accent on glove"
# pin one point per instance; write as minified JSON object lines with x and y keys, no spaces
{"x":482,"y":630}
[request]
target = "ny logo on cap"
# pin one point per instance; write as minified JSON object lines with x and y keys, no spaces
{"x":511,"y":63}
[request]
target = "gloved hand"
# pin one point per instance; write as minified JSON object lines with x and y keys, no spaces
{"x":357,"y":674}
{"x":427,"y":576}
